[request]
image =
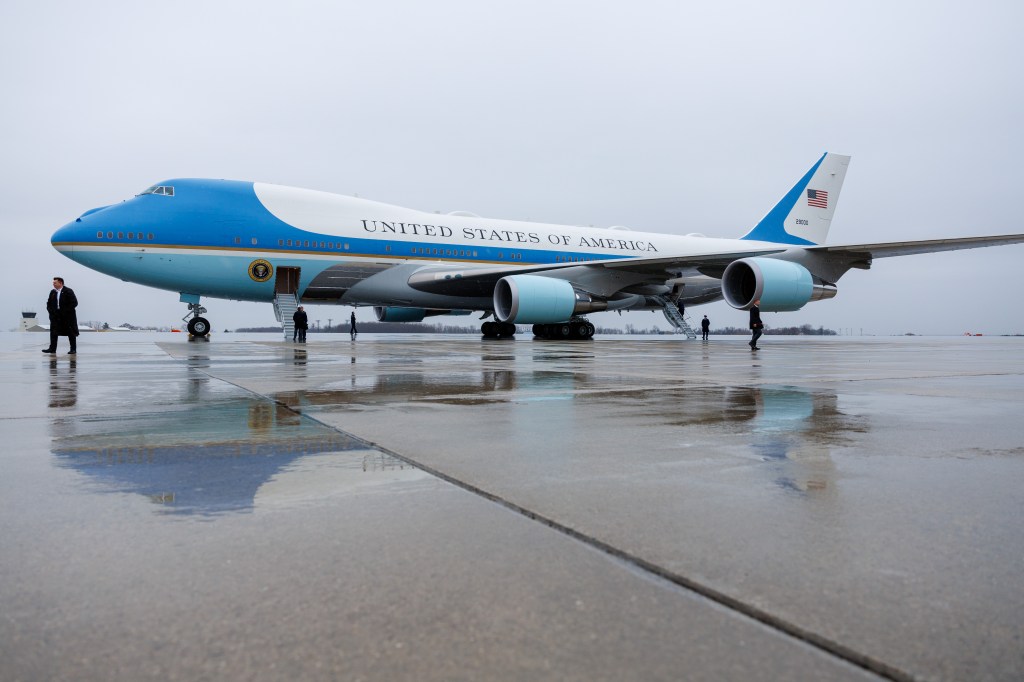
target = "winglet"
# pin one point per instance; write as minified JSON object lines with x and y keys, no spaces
{"x":804,"y":215}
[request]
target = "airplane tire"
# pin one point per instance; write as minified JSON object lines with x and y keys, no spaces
{"x":199,"y":326}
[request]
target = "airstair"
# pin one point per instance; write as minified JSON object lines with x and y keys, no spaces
{"x":676,"y":318}
{"x":285,"y":306}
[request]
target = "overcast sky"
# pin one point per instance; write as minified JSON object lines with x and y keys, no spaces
{"x":662,"y":116}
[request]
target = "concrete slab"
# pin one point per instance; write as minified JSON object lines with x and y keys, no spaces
{"x":628,"y":508}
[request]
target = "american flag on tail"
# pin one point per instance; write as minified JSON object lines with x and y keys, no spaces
{"x":817,"y":197}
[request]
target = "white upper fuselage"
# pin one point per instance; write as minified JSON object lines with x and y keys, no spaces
{"x":203,"y":239}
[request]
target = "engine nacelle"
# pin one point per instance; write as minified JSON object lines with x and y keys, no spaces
{"x":780,"y":285}
{"x":397,"y":314}
{"x":394,"y":314}
{"x":530,"y":299}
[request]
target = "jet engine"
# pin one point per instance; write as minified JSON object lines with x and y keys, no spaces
{"x":780,"y":285}
{"x":530,"y":299}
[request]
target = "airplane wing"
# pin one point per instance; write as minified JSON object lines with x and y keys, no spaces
{"x":609,"y":276}
{"x":887,"y":249}
{"x":603,"y":277}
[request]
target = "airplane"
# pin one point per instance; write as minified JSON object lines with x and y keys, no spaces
{"x":253,"y":241}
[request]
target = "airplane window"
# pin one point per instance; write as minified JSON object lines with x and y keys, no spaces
{"x":120,"y":235}
{"x":149,"y":235}
{"x":99,"y":235}
{"x":321,"y":245}
{"x":163,"y":190}
{"x":280,"y":242}
{"x":387,"y":248}
{"x":346,"y":247}
{"x":305,"y":243}
{"x":254,"y":241}
{"x":238,"y":240}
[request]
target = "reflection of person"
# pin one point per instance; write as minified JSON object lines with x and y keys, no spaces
{"x":755,"y":324}
{"x":63,"y":319}
{"x":63,"y":385}
{"x":705,"y":327}
{"x":352,"y":324}
{"x":301,"y":321}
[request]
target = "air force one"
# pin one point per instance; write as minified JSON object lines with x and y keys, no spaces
{"x":251,"y":241}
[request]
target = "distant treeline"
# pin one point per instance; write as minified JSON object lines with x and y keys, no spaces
{"x":802,"y":330}
{"x":421,"y":328}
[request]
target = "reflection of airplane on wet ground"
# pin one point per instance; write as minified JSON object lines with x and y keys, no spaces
{"x":790,"y":429}
{"x":259,"y":242}
{"x":221,"y":458}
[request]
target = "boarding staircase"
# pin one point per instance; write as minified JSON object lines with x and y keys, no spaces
{"x":285,"y":306}
{"x":676,"y":318}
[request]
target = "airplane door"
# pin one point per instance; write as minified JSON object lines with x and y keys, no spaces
{"x":287,"y":281}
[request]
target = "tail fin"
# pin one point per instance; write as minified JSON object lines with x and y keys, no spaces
{"x":804,"y":215}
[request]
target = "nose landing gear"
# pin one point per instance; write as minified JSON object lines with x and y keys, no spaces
{"x":198,"y":325}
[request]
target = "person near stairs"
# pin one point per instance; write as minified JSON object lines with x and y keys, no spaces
{"x":705,"y":327}
{"x":301,"y":321}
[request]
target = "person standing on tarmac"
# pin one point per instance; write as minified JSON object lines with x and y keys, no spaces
{"x":705,"y":327}
{"x":301,"y":321}
{"x":755,"y":324}
{"x":61,"y":305}
{"x":352,"y":324}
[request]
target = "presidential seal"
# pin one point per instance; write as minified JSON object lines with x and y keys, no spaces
{"x":261,"y":270}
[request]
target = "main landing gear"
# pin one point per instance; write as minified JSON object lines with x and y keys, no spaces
{"x":498,"y":330}
{"x":198,"y":325}
{"x":575,"y":329}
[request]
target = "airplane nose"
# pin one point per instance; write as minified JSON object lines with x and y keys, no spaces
{"x":67,"y":237}
{"x":64,"y":238}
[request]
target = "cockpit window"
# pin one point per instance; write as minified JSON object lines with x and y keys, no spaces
{"x":165,"y":190}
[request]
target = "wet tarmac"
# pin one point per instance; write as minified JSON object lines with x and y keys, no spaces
{"x":446,"y":508}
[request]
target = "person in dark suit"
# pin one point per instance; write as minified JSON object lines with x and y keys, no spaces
{"x":63,"y":319}
{"x":301,"y":321}
{"x":352,"y":324}
{"x":705,"y":327}
{"x":755,"y":324}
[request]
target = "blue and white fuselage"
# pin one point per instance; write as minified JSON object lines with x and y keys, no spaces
{"x":253,"y":242}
